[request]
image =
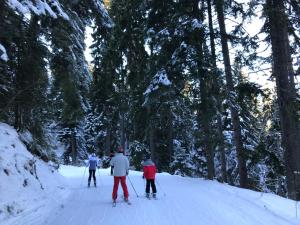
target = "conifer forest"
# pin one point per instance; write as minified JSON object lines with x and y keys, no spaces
{"x":210,"y":88}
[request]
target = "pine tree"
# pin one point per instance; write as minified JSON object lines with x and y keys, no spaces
{"x":231,"y":97}
{"x":217,"y":93}
{"x":268,"y":161}
{"x":8,"y":36}
{"x":248,"y":100}
{"x":285,"y":92}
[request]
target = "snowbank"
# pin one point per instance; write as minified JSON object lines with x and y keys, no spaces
{"x":27,"y":184}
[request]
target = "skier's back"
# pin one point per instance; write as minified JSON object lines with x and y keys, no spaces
{"x":149,"y":169}
{"x":121,"y":168}
{"x":93,"y":163}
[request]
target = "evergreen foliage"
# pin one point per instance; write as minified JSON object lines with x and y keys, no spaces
{"x":161,"y":82}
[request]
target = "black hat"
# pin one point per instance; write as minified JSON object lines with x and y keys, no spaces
{"x":147,"y":156}
{"x":120,"y":149}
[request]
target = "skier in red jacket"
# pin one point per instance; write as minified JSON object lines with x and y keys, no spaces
{"x":149,"y":169}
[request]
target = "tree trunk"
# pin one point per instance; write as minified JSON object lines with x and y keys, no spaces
{"x":290,"y":68}
{"x":17,"y":116}
{"x":108,"y":141}
{"x":170,"y":135}
{"x":123,"y":130}
{"x":217,"y":93}
{"x":205,"y":118}
{"x":74,"y":149}
{"x":205,"y":121}
{"x":286,"y":98}
{"x":209,"y":151}
{"x":230,"y":92}
{"x":151,"y":134}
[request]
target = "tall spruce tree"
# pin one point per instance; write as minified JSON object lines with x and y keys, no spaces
{"x":289,"y":121}
{"x":232,"y":96}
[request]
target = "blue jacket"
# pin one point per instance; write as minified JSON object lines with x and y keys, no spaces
{"x":93,"y":163}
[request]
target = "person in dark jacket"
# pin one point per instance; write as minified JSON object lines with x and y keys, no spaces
{"x":149,"y":169}
{"x":93,"y":164}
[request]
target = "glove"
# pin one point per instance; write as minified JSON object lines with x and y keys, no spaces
{"x":98,"y":167}
{"x":143,"y":176}
{"x":111,"y":170}
{"x":126,"y":173}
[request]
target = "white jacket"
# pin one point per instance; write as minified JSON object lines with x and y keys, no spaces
{"x":120,"y":164}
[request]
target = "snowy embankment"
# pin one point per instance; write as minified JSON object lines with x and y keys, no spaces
{"x":34,"y":195}
{"x":27,"y":184}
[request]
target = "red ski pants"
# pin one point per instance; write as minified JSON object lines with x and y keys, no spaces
{"x":116,"y":186}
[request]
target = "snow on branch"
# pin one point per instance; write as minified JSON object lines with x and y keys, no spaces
{"x":38,"y":7}
{"x":16,"y":5}
{"x":106,"y":20}
{"x":3,"y":54}
{"x":174,"y":59}
{"x":196,"y":24}
{"x":160,"y":78}
{"x":41,"y":8}
{"x":59,"y":9}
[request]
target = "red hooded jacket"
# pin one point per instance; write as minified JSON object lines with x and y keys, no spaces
{"x":149,"y":169}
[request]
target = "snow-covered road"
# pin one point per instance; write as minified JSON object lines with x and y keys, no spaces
{"x":186,"y":201}
{"x":33,"y":193}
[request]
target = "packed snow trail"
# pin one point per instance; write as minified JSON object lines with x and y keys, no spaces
{"x":187,"y":201}
{"x":32,"y":192}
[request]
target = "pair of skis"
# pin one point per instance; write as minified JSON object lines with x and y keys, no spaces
{"x":149,"y":198}
{"x":114,"y":204}
{"x":153,"y":196}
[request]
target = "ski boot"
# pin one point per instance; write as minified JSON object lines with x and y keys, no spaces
{"x":154,"y":195}
{"x":148,"y":195}
{"x":127,"y":201}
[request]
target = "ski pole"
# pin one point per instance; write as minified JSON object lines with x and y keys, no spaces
{"x":133,"y":187}
{"x":82,"y":177}
{"x":161,"y":187}
{"x":144,"y":185}
{"x":99,"y":176}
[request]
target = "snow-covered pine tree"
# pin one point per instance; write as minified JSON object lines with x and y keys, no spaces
{"x":249,"y":96}
{"x":283,"y":72}
{"x":173,"y":60}
{"x":71,"y":74}
{"x":8,"y":54}
{"x":231,"y":96}
{"x":104,"y":94}
{"x":161,"y":93}
{"x":268,"y":160}
{"x":25,"y":97}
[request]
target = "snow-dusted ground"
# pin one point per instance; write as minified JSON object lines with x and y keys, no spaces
{"x":180,"y":200}
{"x":27,"y":185}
